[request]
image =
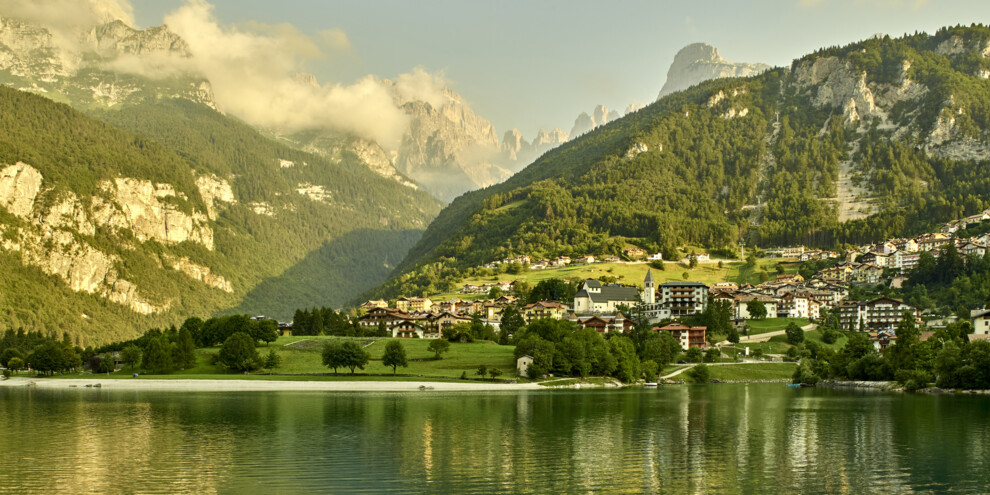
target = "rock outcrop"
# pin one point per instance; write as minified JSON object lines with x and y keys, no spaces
{"x":700,"y":62}
{"x":54,"y":237}
{"x":85,"y":69}
{"x":600,"y":116}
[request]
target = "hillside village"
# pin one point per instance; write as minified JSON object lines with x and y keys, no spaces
{"x":612,"y":307}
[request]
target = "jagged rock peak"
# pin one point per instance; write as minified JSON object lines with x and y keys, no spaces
{"x":699,"y":62}
{"x":600,"y":116}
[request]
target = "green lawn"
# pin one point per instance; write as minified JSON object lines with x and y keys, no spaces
{"x":634,"y":273}
{"x":305,"y":357}
{"x":757,"y":327}
{"x":753,"y":371}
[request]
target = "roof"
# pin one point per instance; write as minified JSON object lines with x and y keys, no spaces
{"x":611,"y":293}
{"x":649,"y":275}
{"x":683,"y":284}
{"x":976,"y":313}
{"x":973,"y":337}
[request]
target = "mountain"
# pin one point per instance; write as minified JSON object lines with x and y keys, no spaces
{"x":879,"y":138}
{"x":106,"y":232}
{"x":599,"y":117}
{"x":699,"y":62}
{"x":447,"y":149}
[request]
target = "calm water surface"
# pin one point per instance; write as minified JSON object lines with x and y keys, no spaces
{"x":762,"y":438}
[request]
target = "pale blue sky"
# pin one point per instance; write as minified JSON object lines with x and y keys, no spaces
{"x":532,"y":64}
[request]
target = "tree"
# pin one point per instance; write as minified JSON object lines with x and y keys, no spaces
{"x":794,"y":334}
{"x":757,"y":310}
{"x":47,"y":358}
{"x":438,"y":347}
{"x":15,"y":363}
{"x":693,"y":355}
{"x":712,"y":355}
{"x":354,"y":355}
{"x":265,"y":331}
{"x":395,"y":355}
{"x":272,"y":361}
{"x":685,"y":275}
{"x":185,"y":350}
{"x":333,"y":355}
{"x":692,"y":261}
{"x":751,"y":260}
{"x":650,"y":371}
{"x":131,"y":356}
{"x":512,"y":323}
{"x":482,"y":371}
{"x":106,"y":364}
{"x":157,"y":357}
{"x":494,"y":373}
{"x":239,"y":354}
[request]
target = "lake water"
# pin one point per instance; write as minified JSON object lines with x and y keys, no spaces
{"x":756,"y":438}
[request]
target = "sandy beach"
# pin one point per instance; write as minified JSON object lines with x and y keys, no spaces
{"x":180,"y":385}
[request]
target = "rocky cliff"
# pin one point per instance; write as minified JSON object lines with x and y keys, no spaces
{"x":699,"y":62}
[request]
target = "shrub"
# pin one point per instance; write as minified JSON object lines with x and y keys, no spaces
{"x":699,"y":374}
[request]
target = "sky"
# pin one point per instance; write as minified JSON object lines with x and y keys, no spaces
{"x":538,"y":64}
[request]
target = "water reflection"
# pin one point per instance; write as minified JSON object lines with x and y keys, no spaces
{"x":682,"y":439}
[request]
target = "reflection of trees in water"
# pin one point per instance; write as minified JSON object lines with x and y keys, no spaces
{"x":679,"y":439}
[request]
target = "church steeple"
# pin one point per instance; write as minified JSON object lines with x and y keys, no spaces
{"x":649,"y":288}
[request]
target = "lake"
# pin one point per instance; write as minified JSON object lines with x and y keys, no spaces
{"x":727,"y":438}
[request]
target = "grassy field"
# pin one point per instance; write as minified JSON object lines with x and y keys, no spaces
{"x":303,"y":355}
{"x":754,"y":371}
{"x":757,"y":327}
{"x":634,"y":273}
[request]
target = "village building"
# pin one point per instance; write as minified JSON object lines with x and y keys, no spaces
{"x":543,"y":310}
{"x":882,"y":339}
{"x":523,"y":364}
{"x":687,"y":336}
{"x":378,"y":303}
{"x":596,"y":298}
{"x":413,"y":304}
{"x":741,"y":302}
{"x":883,"y":313}
{"x":981,"y":321}
{"x":604,"y":324}
{"x":674,"y":299}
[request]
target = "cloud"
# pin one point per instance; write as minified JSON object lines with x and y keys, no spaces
{"x":421,"y":85}
{"x":250,"y":67}
{"x":334,"y":39}
{"x":64,"y":15}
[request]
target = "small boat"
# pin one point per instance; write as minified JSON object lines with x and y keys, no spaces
{"x":650,"y":384}
{"x":807,"y":385}
{"x":793,"y":385}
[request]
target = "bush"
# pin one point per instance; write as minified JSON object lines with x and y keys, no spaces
{"x":699,"y":374}
{"x":794,"y":334}
{"x":650,"y":370}
{"x":830,"y":336}
{"x":805,"y":374}
{"x":913,"y":379}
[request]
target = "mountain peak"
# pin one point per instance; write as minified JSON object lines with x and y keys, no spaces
{"x":699,"y":62}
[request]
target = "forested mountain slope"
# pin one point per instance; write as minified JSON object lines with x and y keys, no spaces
{"x":106,"y":232}
{"x":877,"y":138}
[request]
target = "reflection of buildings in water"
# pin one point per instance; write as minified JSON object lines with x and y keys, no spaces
{"x":122,"y":446}
{"x":428,"y":449}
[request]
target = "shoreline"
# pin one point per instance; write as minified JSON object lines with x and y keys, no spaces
{"x":207,"y":385}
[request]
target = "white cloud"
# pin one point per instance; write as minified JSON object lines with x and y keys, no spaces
{"x":68,"y":14}
{"x":250,"y":67}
